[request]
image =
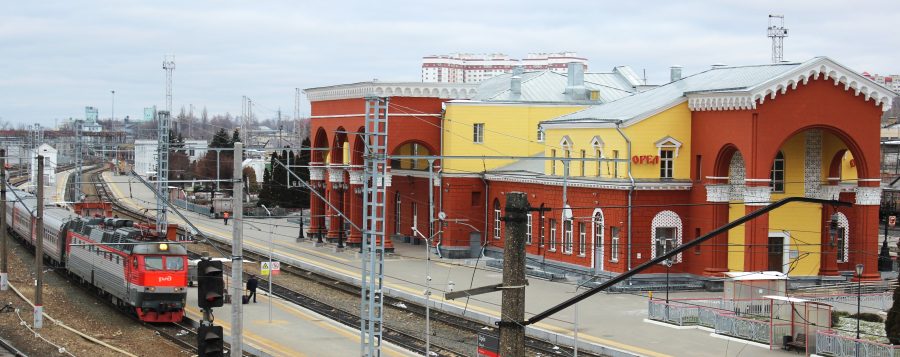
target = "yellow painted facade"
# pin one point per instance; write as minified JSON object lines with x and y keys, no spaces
{"x":510,"y":129}
{"x":674,"y":122}
{"x":736,"y":238}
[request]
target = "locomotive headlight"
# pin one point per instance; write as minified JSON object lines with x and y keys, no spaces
{"x":151,"y":289}
{"x":163,"y":247}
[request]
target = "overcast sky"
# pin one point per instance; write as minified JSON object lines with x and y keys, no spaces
{"x":56,"y":57}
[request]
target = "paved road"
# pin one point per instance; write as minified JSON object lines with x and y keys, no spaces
{"x":614,"y":320}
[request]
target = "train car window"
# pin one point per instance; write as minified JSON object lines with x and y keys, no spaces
{"x":174,"y":263}
{"x":153,"y":263}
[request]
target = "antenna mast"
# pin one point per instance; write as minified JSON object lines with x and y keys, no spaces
{"x":777,"y":33}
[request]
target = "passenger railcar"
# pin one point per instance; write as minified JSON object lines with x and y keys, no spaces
{"x":127,"y":262}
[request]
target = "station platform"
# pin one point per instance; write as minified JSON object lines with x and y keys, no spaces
{"x":293,"y":331}
{"x":610,"y":323}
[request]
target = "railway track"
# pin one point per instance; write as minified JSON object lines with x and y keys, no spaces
{"x":412,"y":340}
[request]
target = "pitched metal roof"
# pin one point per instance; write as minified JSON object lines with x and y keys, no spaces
{"x":548,"y":86}
{"x":749,"y":84}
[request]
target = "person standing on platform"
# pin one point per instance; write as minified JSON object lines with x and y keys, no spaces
{"x":225,"y":217}
{"x":252,"y":284}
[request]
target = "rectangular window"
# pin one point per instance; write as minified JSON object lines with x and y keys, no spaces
{"x":553,"y":162}
{"x":582,"y":239}
{"x":567,"y":165}
{"x":599,"y":156}
{"x":397,"y":215}
{"x":615,"y":172}
{"x":476,"y":199}
{"x":777,"y":174}
{"x":567,"y":236}
{"x":174,"y":263}
{"x":665,"y":240}
{"x":666,"y":163}
{"x":543,"y":234}
{"x":528,"y":227}
{"x":478,"y":133}
{"x":614,"y":244}
{"x":153,"y":263}
{"x":553,"y":235}
{"x":497,"y":222}
{"x":415,"y":216}
{"x":540,"y":134}
{"x":583,"y":162}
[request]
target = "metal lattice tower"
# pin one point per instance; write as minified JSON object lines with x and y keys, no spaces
{"x":76,"y":176}
{"x":777,"y":33}
{"x":169,"y":66}
{"x":374,"y":205}
{"x":162,"y":170}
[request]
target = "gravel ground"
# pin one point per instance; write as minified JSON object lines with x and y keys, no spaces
{"x":76,"y":308}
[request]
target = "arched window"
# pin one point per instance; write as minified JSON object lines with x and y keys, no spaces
{"x":397,"y":211}
{"x":841,"y":238}
{"x":776,"y":176}
{"x":496,"y":219}
{"x":665,"y":234}
{"x":598,"y":224}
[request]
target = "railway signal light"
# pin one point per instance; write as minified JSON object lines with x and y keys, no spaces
{"x":210,"y":341}
{"x":210,"y":285}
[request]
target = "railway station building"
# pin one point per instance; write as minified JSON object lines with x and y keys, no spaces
{"x":628,"y":170}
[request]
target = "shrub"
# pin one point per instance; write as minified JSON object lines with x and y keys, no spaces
{"x":868,"y":316}
{"x":836,"y":315}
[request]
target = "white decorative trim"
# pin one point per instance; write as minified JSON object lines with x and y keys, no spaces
{"x":665,"y":219}
{"x":668,"y":142}
{"x":844,"y":223}
{"x":387,"y":180}
{"x":823,"y":66}
{"x":565,"y":142}
{"x":610,"y":185}
{"x":595,"y":236}
{"x":829,"y":192}
{"x":597,"y":142}
{"x":361,"y":115}
{"x":718,"y":193}
{"x":356,"y":177}
{"x":812,"y":165}
{"x":335,"y":174}
{"x":757,"y":195}
{"x":316,"y":173}
{"x":737,"y":176}
{"x":868,"y":196}
{"x":392,"y":89}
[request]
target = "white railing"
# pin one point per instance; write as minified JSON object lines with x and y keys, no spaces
{"x":673,"y":313}
{"x":829,"y":343}
{"x":753,"y":330}
{"x":877,"y":301}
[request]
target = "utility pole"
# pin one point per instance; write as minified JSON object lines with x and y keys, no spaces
{"x":4,"y":266}
{"x":237,"y":259}
{"x":39,"y":247}
{"x":512,"y":321}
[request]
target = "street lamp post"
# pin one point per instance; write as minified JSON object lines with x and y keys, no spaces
{"x":427,"y":288}
{"x":668,"y":263}
{"x":859,"y":271}
{"x":271,"y":276}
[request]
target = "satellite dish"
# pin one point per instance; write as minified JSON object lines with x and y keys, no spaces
{"x":442,"y":216}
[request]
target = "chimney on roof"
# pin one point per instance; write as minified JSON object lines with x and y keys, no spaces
{"x":515,"y":85}
{"x":575,"y":88}
{"x":675,"y":73}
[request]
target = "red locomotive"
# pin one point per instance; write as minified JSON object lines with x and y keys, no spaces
{"x":127,"y":262}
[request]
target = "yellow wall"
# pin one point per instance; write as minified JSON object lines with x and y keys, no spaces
{"x":736,"y":238}
{"x":510,"y":130}
{"x":831,"y":144}
{"x":674,"y":122}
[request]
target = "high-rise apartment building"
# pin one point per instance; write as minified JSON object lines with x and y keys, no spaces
{"x":474,"y":68}
{"x":891,"y":82}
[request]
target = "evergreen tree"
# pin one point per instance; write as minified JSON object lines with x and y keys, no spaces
{"x":892,"y":323}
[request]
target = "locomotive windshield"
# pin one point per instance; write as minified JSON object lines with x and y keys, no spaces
{"x":153,"y":263}
{"x":174,"y":263}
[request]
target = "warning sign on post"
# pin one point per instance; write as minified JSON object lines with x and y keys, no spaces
{"x":269,"y":267}
{"x":488,"y":345}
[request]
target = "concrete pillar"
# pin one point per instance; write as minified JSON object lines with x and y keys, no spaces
{"x":335,"y":180}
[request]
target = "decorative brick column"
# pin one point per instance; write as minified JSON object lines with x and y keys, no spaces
{"x":335,"y":221}
{"x":864,"y":229}
{"x":757,"y":194}
{"x":354,"y":239}
{"x":316,"y":205}
{"x":828,"y":257}
{"x":718,"y":191}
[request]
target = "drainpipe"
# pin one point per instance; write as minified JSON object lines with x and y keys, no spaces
{"x":630,"y":189}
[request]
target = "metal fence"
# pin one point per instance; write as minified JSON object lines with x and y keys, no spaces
{"x":876,"y":301}
{"x":673,"y":313}
{"x":829,"y":343}
{"x":748,"y":329}
{"x":201,"y":209}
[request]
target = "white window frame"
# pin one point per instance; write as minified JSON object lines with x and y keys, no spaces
{"x":397,"y":213}
{"x":529,"y":225}
{"x":773,"y":183}
{"x":666,"y":164}
{"x":583,"y":162}
{"x":666,"y":219}
{"x":582,"y":239}
{"x":543,"y":241}
{"x":496,"y":219}
{"x":552,"y":235}
{"x":478,"y":133}
{"x":553,"y":162}
{"x":415,"y":217}
{"x":614,"y":244}
{"x":568,"y":226}
{"x":540,"y":134}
